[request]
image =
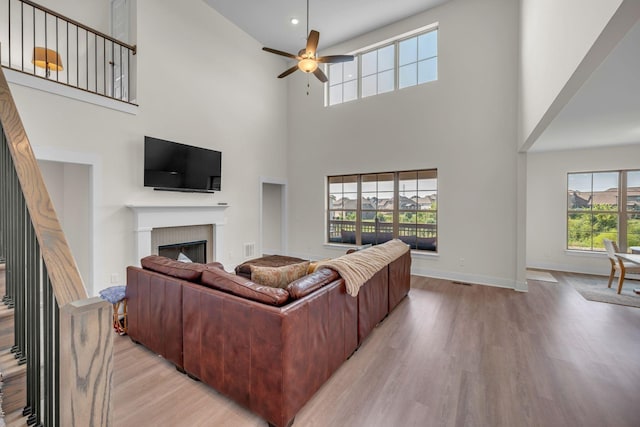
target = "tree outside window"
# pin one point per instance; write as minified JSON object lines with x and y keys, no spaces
{"x":603,"y":205}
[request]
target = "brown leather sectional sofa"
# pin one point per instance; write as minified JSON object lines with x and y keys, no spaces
{"x":264,"y":349}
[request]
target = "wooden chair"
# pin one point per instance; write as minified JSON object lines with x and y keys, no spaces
{"x":618,"y":264}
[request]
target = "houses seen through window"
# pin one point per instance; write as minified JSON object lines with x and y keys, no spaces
{"x":603,"y":205}
{"x":374,"y":208}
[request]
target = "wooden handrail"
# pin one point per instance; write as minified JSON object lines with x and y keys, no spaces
{"x":78,"y":338}
{"x":63,"y":272}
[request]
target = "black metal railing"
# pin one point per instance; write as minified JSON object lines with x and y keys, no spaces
{"x":29,"y":293}
{"x":66,"y":51}
{"x":418,"y":236}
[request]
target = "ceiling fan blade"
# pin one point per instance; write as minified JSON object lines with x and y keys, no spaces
{"x":320,"y":75}
{"x":312,"y":42}
{"x":335,"y":58}
{"x":289,"y":71}
{"x":279,"y":52}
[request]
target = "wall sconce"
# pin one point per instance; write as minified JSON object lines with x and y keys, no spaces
{"x":47,"y":58}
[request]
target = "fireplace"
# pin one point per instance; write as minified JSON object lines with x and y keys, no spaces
{"x":151,"y":219}
{"x":197,"y":240}
{"x":191,"y":251}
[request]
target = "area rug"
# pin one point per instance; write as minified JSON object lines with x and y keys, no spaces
{"x":541,"y":276}
{"x":594,"y":288}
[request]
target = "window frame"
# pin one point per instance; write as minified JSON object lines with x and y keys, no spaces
{"x":395,"y":42}
{"x":425,"y":237}
{"x":621,"y":211}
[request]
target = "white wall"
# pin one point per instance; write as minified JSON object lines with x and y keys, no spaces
{"x":272,"y":218}
{"x":547,"y":204}
{"x":201,"y":81}
{"x":555,"y":37}
{"x":464,"y":124}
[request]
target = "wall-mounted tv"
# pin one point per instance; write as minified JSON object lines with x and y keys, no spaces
{"x":179,"y":167}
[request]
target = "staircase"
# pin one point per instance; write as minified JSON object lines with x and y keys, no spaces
{"x":64,"y":338}
{"x":12,"y":375}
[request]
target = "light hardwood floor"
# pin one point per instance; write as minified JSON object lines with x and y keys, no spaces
{"x":449,"y":355}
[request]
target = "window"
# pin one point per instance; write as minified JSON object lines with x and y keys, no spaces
{"x":378,"y":71}
{"x":343,"y":87}
{"x":377,"y":207}
{"x":418,"y":60}
{"x":603,"y":205}
{"x":407,"y":60}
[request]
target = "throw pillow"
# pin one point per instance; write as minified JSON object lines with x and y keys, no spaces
{"x":278,"y":277}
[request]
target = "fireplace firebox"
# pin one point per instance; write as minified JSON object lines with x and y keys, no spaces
{"x":195,"y":251}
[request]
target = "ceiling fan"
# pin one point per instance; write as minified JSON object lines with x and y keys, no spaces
{"x":307,"y":59}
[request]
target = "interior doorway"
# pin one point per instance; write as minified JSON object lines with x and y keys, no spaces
{"x":73,"y":182}
{"x":273,"y":236}
{"x":69,"y":188}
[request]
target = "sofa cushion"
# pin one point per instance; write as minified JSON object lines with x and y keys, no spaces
{"x":190,"y":271}
{"x":244,"y":269}
{"x":278,"y":277}
{"x":237,"y":285}
{"x":307,"y":284}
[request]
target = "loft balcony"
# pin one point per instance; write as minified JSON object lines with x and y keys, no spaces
{"x":40,"y":43}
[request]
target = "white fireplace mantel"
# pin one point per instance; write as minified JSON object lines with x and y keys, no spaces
{"x":148,"y":216}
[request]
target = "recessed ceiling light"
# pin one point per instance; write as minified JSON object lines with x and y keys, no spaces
{"x":295,"y":21}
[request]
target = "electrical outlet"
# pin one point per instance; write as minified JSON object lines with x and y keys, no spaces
{"x":461,"y":262}
{"x":115,"y":278}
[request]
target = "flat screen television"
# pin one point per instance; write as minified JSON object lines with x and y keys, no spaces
{"x":179,"y":167}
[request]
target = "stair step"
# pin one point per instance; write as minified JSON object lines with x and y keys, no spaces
{"x":5,"y":311}
{"x":6,"y":327}
{"x":14,"y":383}
{"x":3,"y":286}
{"x":15,"y":419}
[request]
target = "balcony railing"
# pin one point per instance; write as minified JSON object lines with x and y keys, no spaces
{"x":418,"y":236}
{"x":43,"y":43}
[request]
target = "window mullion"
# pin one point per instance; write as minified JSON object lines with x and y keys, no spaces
{"x":359,"y":211}
{"x":622,"y":212}
{"x":359,"y":77}
{"x":396,"y":67}
{"x":396,"y":205}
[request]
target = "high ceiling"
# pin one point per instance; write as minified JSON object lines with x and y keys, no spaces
{"x":337,"y":20}
{"x":604,"y":112}
{"x":606,"y":109}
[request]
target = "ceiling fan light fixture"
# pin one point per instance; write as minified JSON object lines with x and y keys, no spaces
{"x":308,"y":65}
{"x":307,"y":57}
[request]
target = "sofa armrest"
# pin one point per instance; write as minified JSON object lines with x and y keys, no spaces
{"x":399,"y":279}
{"x":154,"y":314}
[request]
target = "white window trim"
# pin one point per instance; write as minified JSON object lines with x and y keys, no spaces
{"x":359,"y":52}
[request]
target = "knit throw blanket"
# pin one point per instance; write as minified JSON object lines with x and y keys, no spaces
{"x":358,"y":267}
